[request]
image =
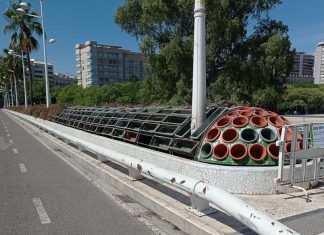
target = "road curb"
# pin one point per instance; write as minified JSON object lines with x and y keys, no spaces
{"x":161,"y":204}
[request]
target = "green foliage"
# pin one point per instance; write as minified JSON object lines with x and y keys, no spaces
{"x":122,"y":93}
{"x":236,"y":61}
{"x":304,"y":99}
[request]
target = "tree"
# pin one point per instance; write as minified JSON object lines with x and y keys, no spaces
{"x":243,"y":58}
{"x":22,"y":28}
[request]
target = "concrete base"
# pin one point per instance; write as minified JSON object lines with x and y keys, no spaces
{"x":233,"y":179}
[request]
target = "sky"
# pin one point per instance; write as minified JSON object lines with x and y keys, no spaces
{"x":71,"y":22}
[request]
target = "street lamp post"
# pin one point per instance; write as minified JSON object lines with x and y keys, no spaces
{"x":23,"y":7}
{"x":11,"y":52}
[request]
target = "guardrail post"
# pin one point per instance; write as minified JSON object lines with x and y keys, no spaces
{"x":101,"y":158}
{"x":134,"y":174}
{"x":67,"y":141}
{"x":81,"y":148}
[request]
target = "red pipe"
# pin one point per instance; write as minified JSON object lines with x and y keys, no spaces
{"x":288,"y":134}
{"x":213,"y":134}
{"x":238,"y":151}
{"x":258,"y":121}
{"x":257,"y":152}
{"x":272,"y":114}
{"x":260,"y":112}
{"x":223,"y":122}
{"x":273,"y":151}
{"x":285,"y":120}
{"x":246,"y":113}
{"x":230,"y":135}
{"x":233,"y":113}
{"x":240,"y":121}
{"x":276,"y":121}
{"x":220,"y":151}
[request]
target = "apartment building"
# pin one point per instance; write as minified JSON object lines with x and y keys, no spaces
{"x":99,"y":64}
{"x":38,"y":70}
{"x":302,"y":68}
{"x":319,"y":64}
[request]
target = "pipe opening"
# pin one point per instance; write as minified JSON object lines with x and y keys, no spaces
{"x":272,"y":114}
{"x":257,"y":152}
{"x":246,"y":113}
{"x":276,"y":121}
{"x":206,"y":150}
{"x":289,"y":133}
{"x":238,"y":151}
{"x":268,"y":135}
{"x":230,"y":135}
{"x":233,"y":113}
{"x":249,"y":135}
{"x":213,"y":134}
{"x":273,"y":151}
{"x":223,"y":122}
{"x":258,"y":121}
{"x":261,"y":112}
{"x":220,"y":151}
{"x":240,"y":121}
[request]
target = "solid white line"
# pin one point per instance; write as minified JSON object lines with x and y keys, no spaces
{"x":41,"y":211}
{"x":8,"y":135}
{"x":11,"y":141}
{"x":22,"y":168}
{"x":15,"y":150}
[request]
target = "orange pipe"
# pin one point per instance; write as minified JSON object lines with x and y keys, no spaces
{"x":213,"y":134}
{"x":233,"y":113}
{"x":276,"y":121}
{"x":240,"y":121}
{"x":220,"y":151}
{"x":273,"y":151}
{"x":223,"y":122}
{"x":257,"y":152}
{"x":238,"y":151}
{"x":260,"y":112}
{"x":258,"y":121}
{"x":230,"y":135}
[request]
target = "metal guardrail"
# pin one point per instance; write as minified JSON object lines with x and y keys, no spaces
{"x":201,"y":193}
{"x":297,"y":148}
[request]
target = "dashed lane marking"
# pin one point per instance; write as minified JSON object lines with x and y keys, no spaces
{"x":15,"y":150}
{"x":41,"y":211}
{"x":11,"y":141}
{"x":22,"y":168}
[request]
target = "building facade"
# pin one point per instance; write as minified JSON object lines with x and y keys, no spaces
{"x":99,"y":64}
{"x":302,"y":68}
{"x":38,"y":70}
{"x":319,"y":64}
{"x":61,"y":80}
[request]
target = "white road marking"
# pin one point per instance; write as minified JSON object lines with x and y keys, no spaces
{"x":11,"y":141}
{"x":6,"y":130}
{"x":22,"y":168}
{"x":41,"y":211}
{"x":8,"y":135}
{"x":15,"y":150}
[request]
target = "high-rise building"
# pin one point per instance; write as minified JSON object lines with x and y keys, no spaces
{"x":319,"y":64}
{"x":38,"y":70}
{"x":302,"y":68}
{"x":99,"y":64}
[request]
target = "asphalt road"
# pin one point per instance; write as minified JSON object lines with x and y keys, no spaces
{"x":41,"y":194}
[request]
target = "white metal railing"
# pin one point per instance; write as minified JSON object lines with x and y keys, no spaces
{"x":201,"y":193}
{"x":301,"y":146}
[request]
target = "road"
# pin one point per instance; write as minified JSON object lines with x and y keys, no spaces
{"x":41,"y":194}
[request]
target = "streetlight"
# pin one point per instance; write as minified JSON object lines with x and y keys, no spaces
{"x":16,"y":93}
{"x":23,"y":9}
{"x":11,"y":52}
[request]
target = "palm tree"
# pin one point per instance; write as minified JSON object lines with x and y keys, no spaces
{"x":23,"y":26}
{"x":14,"y":70}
